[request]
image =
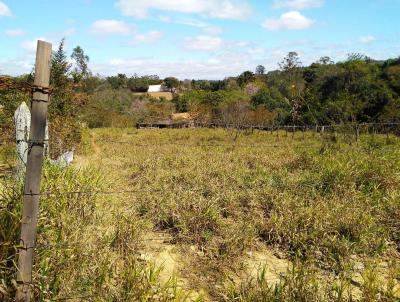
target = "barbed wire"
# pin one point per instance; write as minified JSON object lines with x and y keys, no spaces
{"x":191,"y":124}
{"x":79,"y":298}
{"x":133,"y":144}
{"x":119,"y":192}
{"x":79,"y":244}
{"x":208,"y":145}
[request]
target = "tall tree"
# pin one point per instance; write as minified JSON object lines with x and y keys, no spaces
{"x":325,"y":61}
{"x":290,"y":62}
{"x":260,"y":70}
{"x":290,"y":67}
{"x":245,"y":78}
{"x":81,"y":70}
{"x":60,"y":67}
{"x":171,"y":83}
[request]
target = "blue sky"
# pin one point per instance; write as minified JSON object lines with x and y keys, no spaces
{"x":197,"y":38}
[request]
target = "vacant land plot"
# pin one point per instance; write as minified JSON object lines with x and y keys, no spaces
{"x":260,"y":218}
{"x":167,"y":95}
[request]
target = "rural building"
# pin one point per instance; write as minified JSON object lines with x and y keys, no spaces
{"x":155,"y":88}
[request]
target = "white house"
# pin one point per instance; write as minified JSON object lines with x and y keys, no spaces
{"x":155,"y":88}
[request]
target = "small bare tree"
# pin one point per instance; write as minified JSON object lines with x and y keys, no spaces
{"x":236,"y":117}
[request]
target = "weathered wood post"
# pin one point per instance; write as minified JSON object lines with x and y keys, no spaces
{"x":30,"y":210}
{"x":22,"y":120}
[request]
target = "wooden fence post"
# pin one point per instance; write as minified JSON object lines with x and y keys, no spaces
{"x":30,"y":210}
{"x":22,"y":120}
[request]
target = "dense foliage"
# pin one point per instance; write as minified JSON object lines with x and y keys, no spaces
{"x":356,"y":90}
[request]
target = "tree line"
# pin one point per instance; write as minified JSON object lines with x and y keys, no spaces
{"x":358,"y":89}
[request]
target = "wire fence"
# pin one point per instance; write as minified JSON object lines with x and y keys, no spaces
{"x":134,"y":144}
{"x":355,"y":130}
{"x":16,"y":192}
{"x":268,"y":127}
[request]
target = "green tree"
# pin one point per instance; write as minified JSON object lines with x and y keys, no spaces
{"x":245,"y":78}
{"x":260,"y":70}
{"x":291,"y":69}
{"x":325,"y":61}
{"x":171,"y":83}
{"x":138,"y":84}
{"x":273,"y":101}
{"x":81,"y":70}
{"x":119,"y":81}
{"x":60,"y":67}
{"x":290,"y":62}
{"x":392,"y":75}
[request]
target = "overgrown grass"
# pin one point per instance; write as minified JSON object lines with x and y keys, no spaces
{"x":329,"y":208}
{"x":86,"y":248}
{"x":323,"y":202}
{"x":303,"y":282}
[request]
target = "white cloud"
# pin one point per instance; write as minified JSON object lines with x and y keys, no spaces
{"x":191,"y":22}
{"x":213,"y":68}
{"x":4,"y":10}
{"x":292,"y":20}
{"x":223,"y":9}
{"x":203,"y":43}
{"x":165,"y":19}
{"x":257,"y":51}
{"x":31,"y":45}
{"x":14,"y":32}
{"x":231,"y":60}
{"x":16,"y":66}
{"x":149,"y":37}
{"x":184,"y":21}
{"x":212,"y":30}
{"x":367,"y":39}
{"x":110,"y":27}
{"x":130,"y":63}
{"x":70,"y":31}
{"x":298,"y":4}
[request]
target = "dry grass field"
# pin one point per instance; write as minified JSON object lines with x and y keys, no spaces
{"x":167,"y":95}
{"x":197,"y":216}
